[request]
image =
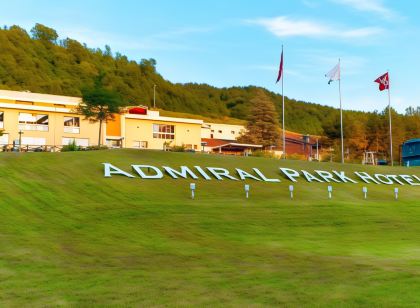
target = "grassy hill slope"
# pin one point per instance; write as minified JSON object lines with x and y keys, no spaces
{"x":69,"y":236}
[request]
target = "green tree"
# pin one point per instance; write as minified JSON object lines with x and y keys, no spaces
{"x":355,"y":132}
{"x":44,"y":33}
{"x":263,"y":126}
{"x":100,"y":105}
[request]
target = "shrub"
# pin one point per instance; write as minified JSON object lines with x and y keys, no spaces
{"x":178,"y":148}
{"x":266,"y":154}
{"x":70,"y":147}
{"x":297,"y":157}
{"x":96,"y":147}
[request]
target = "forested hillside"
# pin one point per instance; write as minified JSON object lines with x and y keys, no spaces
{"x":39,"y":62}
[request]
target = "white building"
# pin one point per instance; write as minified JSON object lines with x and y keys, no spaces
{"x":221,"y":131}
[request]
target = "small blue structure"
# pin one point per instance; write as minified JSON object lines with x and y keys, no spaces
{"x":411,"y":152}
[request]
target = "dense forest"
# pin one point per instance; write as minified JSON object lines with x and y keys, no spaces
{"x":39,"y":62}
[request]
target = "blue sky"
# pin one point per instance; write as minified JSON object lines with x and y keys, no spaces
{"x":238,"y":42}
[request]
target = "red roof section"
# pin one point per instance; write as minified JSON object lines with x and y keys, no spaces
{"x":137,"y":110}
{"x":299,"y":137}
{"x":216,"y":142}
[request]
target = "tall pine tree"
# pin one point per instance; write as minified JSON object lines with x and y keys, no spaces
{"x":263,"y":125}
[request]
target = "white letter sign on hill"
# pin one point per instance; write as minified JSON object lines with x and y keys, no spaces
{"x":202,"y":173}
{"x":290,"y":173}
{"x":110,"y":169}
{"x":293,"y":175}
{"x":221,"y":172}
{"x":185,"y":171}
{"x":395,"y":178}
{"x":409,"y":179}
{"x":309,"y":177}
{"x":262,"y":176}
{"x":327,"y":176}
{"x":243,"y":175}
{"x":343,"y":178}
{"x":383,"y":179}
{"x":365,"y":177}
{"x":138,"y":169}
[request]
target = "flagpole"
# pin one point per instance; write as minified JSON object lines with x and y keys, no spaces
{"x":282,"y":95}
{"x":341,"y":113}
{"x":390,"y":121}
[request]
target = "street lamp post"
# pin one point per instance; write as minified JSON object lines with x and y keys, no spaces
{"x":20,"y":140}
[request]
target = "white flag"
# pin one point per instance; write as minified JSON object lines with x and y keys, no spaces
{"x":334,"y":74}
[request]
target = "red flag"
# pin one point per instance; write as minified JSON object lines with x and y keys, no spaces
{"x":383,"y":82}
{"x":280,"y":68}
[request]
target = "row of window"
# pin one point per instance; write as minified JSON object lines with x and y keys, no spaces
{"x":144,"y":145}
{"x":36,"y":141}
{"x":163,"y":131}
{"x":220,"y":131}
{"x":40,"y":122}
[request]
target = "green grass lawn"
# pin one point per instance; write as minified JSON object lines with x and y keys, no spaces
{"x":69,"y":236}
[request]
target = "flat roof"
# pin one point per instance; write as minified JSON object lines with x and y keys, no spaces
{"x":163,"y":119}
{"x":40,"y":98}
{"x":239,"y":145}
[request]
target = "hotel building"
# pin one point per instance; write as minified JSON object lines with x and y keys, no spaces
{"x":41,"y":120}
{"x":47,"y":122}
{"x":34,"y":121}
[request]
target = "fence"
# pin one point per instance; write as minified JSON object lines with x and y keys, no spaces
{"x":34,"y":148}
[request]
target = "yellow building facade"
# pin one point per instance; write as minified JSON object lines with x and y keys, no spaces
{"x":42,"y":121}
{"x":152,"y":131}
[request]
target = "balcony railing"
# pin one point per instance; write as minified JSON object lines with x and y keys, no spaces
{"x":72,"y":129}
{"x":35,"y":127}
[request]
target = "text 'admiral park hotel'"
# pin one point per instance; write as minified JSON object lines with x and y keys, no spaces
{"x":49,"y":122}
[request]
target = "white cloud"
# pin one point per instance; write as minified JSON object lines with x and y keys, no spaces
{"x":283,"y":26}
{"x":372,"y":6}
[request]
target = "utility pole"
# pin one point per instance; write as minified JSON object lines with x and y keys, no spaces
{"x":154,"y":96}
{"x":341,"y":115}
{"x":390,"y":120}
{"x":317,"y":150}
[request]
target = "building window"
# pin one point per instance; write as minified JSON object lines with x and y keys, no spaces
{"x":1,"y":119}
{"x":32,"y":141}
{"x":163,"y":131}
{"x":72,"y":125}
{"x":4,"y":139}
{"x":82,"y":142}
{"x":220,"y":131}
{"x":114,"y":143}
{"x":33,"y":121}
{"x":140,"y":144}
{"x":233,"y":132}
{"x":212,"y":130}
